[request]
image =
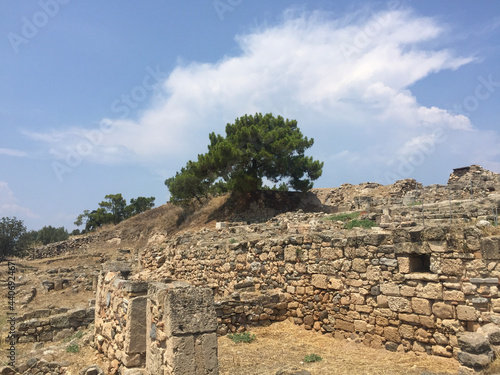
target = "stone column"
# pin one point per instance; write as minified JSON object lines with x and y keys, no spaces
{"x":182,"y":325}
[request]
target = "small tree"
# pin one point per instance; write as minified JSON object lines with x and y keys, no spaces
{"x":113,"y":210}
{"x":139,"y":205}
{"x":12,"y":231}
{"x":255,"y":147}
{"x":49,"y":234}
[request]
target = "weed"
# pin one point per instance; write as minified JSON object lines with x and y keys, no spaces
{"x":245,"y":337}
{"x":417,"y":203}
{"x":76,"y":335}
{"x":343,"y":217}
{"x":73,"y":348}
{"x":360,"y":224}
{"x":232,"y":240}
{"x":310,"y":358}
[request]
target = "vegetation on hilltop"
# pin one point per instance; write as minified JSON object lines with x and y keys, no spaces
{"x":255,"y":148}
{"x":15,"y":240}
{"x":113,"y":209}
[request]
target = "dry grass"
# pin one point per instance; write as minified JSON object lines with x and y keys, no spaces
{"x":284,"y":346}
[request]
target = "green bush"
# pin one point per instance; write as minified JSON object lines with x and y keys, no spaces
{"x":242,"y":337}
{"x":310,"y":358}
{"x":360,"y":224}
{"x":343,"y":217}
{"x":73,"y":348}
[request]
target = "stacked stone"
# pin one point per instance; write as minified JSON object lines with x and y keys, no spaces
{"x":58,"y":248}
{"x":120,"y":321}
{"x":181,"y":333}
{"x":243,"y":310}
{"x":477,"y":349}
{"x":52,"y":324}
{"x":408,"y":289}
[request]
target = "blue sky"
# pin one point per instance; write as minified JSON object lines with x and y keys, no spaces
{"x":114,"y":97}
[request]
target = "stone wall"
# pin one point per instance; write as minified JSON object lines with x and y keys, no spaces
{"x":407,"y":289}
{"x":155,"y":328}
{"x":241,"y":311}
{"x":120,"y":321}
{"x":52,"y":324}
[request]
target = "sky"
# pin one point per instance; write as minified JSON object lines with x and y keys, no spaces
{"x":114,"y":97}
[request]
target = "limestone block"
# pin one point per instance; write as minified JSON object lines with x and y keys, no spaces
{"x":331,"y":253}
{"x":135,"y":334}
{"x":440,"y":338}
{"x":319,"y":281}
{"x":409,"y":318}
{"x":180,"y":354}
{"x":344,"y":325}
{"x":490,"y":248}
{"x":382,"y":301}
{"x":452,"y":325}
{"x":404,"y":264}
{"x":469,"y":288}
{"x":406,"y":331}
{"x":441,"y":351}
{"x":189,"y":310}
{"x":421,"y":306}
{"x":442,"y":310}
{"x":360,"y":326}
{"x":431,"y":291}
{"x":335,"y":284}
{"x":359,"y":265}
{"x":427,"y":321}
{"x":373,"y":273}
{"x":291,"y":253}
{"x":390,"y":289}
{"x":495,"y":303}
{"x":399,"y":304}
{"x":452,"y":267}
{"x":392,"y":334}
{"x":453,"y":295}
{"x":422,"y":335}
{"x":206,"y":354}
{"x":467,"y":313}
{"x":407,"y":291}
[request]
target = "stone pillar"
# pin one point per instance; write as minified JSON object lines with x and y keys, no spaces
{"x":181,"y":333}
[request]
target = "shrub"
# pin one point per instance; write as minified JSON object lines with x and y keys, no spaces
{"x":73,"y":348}
{"x":343,"y":217}
{"x":245,"y":337}
{"x":310,"y":358}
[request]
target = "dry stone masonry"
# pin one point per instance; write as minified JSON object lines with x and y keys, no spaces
{"x":425,"y":279}
{"x":53,"y":324}
{"x":417,"y":282}
{"x":155,"y":328}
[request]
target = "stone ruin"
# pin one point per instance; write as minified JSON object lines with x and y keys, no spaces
{"x":429,"y":286}
{"x":155,"y":328}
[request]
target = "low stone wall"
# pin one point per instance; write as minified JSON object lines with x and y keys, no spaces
{"x":409,"y":289}
{"x":155,"y":328}
{"x":244,"y":310}
{"x":52,"y":324}
{"x":120,"y":320}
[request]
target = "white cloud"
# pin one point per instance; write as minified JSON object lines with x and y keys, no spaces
{"x":9,"y":204}
{"x":12,"y":152}
{"x":346,"y":80}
